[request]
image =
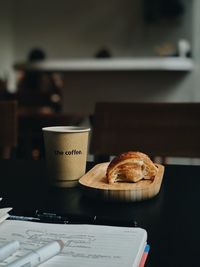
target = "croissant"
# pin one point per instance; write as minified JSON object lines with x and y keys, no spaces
{"x":131,"y":167}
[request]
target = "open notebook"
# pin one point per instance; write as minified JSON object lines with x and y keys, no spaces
{"x":85,"y":245}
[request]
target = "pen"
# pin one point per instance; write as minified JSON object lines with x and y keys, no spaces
{"x":66,"y":219}
{"x":23,"y":218}
{"x":8,"y":249}
{"x":50,"y":217}
{"x":82,"y":218}
{"x":39,"y":256}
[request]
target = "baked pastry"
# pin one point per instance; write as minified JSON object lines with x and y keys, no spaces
{"x":131,"y":167}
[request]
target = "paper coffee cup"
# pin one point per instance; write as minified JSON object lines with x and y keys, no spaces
{"x":66,"y":154}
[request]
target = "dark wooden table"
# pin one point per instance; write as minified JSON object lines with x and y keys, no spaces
{"x":171,"y":218}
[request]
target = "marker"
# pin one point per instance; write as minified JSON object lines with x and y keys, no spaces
{"x":8,"y":249}
{"x":39,"y":256}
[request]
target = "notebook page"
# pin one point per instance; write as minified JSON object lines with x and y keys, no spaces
{"x":85,"y":245}
{"x":4,"y":217}
{"x":4,"y":212}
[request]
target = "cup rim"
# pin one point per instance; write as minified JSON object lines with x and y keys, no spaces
{"x":66,"y":129}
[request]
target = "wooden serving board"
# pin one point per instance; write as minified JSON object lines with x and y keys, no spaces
{"x":94,"y":184}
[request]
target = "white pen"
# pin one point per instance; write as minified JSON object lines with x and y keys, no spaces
{"x":39,"y":255}
{"x":8,"y":249}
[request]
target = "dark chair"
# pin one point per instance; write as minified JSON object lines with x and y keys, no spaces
{"x":8,"y":128}
{"x":30,"y":130}
{"x":158,"y":129}
{"x":31,"y":101}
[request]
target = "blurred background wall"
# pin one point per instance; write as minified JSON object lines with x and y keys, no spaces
{"x":7,"y":43}
{"x":75,"y":28}
{"x":78,"y":29}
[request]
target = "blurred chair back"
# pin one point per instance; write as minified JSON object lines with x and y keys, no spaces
{"x":158,"y":129}
{"x":36,"y":102}
{"x":8,"y":128}
{"x":30,"y":130}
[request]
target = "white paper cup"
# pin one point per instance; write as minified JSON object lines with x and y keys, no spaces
{"x":66,"y":150}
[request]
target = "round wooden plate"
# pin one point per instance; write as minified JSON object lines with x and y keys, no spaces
{"x":94,"y":184}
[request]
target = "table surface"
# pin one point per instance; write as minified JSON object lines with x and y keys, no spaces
{"x":171,"y":218}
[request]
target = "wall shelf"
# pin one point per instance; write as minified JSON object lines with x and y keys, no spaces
{"x":117,"y":64}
